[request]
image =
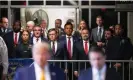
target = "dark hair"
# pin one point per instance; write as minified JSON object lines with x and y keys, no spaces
{"x":119,"y":25}
{"x":59,"y":20}
{"x":99,"y":17}
{"x":68,"y":23}
{"x":52,"y":29}
{"x":110,"y":31}
{"x":17,"y":21}
{"x":98,"y":50}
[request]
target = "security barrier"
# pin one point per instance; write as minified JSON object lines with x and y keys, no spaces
{"x":68,"y":66}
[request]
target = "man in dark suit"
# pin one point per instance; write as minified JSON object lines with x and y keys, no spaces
{"x":97,"y":34}
{"x":119,"y":48}
{"x":99,"y":70}
{"x":40,"y":69}
{"x":58,"y":49}
{"x":69,"y":40}
{"x":30,"y":25}
{"x":37,"y":37}
{"x":108,"y":35}
{"x":81,"y":50}
{"x":58,"y":23}
{"x":4,"y":27}
{"x":13,"y":38}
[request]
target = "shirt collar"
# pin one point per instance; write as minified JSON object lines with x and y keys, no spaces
{"x":102,"y":70}
{"x":100,"y":27}
{"x":68,"y":36}
{"x":46,"y":67}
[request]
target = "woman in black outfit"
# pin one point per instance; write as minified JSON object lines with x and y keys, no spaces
{"x":23,"y":49}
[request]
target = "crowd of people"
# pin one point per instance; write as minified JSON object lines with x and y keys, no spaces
{"x":66,"y":43}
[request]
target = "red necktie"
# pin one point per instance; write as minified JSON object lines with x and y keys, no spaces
{"x":86,"y":47}
{"x":15,"y":40}
{"x":53,"y":47}
{"x":69,"y":47}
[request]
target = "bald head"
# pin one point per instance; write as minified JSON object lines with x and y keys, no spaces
{"x":4,"y":22}
{"x":41,"y":53}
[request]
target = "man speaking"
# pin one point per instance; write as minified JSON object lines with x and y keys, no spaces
{"x":40,"y":69}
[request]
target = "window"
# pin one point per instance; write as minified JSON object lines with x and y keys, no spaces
{"x":109,"y":16}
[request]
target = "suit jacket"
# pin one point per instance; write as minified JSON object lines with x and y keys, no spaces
{"x":111,"y":74}
{"x":9,"y":40}
{"x":64,"y":41}
{"x":28,"y":73}
{"x":94,"y":36}
{"x":119,"y":48}
{"x":42,"y":39}
{"x":3,"y":33}
{"x":79,"y":54}
{"x":60,"y":53}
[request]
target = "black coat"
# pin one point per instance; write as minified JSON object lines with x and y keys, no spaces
{"x":9,"y":40}
{"x":119,"y":48}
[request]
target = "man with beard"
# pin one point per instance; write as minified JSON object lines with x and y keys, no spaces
{"x":12,"y":39}
{"x":81,"y":50}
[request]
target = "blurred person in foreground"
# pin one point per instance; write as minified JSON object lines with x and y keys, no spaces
{"x":3,"y":60}
{"x":98,"y":70}
{"x":40,"y":69}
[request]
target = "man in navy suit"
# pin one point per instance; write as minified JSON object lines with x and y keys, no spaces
{"x":40,"y":69}
{"x":69,"y":40}
{"x":99,"y":70}
{"x":37,"y":36}
{"x":58,"y":49}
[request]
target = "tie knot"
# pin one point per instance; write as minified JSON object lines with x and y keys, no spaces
{"x":86,"y":41}
{"x":69,"y":37}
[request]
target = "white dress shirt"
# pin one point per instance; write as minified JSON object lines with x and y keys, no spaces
{"x":38,"y":72}
{"x":95,"y":73}
{"x":55,"y":44}
{"x":87,"y":44}
{"x":17,"y":36}
{"x":101,"y":32}
{"x":35,"y":40}
{"x":71,"y":39}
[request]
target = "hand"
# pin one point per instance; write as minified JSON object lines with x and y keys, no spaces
{"x":65,"y":71}
{"x":99,"y":44}
{"x":76,"y":73}
{"x":117,"y":65}
{"x":4,"y":77}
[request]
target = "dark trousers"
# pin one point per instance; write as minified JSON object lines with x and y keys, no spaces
{"x":1,"y":71}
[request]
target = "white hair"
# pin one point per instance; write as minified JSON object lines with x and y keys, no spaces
{"x":30,"y":23}
{"x":43,"y":45}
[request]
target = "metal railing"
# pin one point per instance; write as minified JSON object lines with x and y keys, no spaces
{"x":68,"y":66}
